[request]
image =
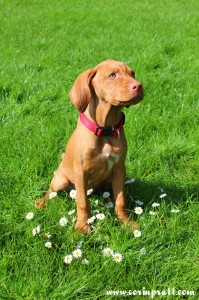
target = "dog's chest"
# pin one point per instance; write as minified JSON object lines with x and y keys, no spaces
{"x":102,"y":162}
{"x":110,"y":158}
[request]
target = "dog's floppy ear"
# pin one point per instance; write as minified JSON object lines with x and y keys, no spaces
{"x":80,"y":93}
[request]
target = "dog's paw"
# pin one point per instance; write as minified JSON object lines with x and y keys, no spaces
{"x":40,"y":203}
{"x":83,"y":227}
{"x":132,"y":225}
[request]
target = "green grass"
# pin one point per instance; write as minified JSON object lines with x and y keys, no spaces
{"x":44,"y":46}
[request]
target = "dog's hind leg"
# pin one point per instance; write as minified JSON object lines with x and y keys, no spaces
{"x":58,"y":183}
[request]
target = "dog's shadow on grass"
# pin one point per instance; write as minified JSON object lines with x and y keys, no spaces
{"x":149,"y":192}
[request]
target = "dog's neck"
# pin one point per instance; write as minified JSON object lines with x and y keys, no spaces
{"x":103,"y":113}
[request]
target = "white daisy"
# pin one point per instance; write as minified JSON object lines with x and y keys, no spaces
{"x":71,"y":212}
{"x":89,"y":192}
{"x":63,"y":221}
{"x":107,"y":252}
{"x":152,"y":213}
{"x":85,"y":261}
{"x":30,"y":216}
{"x":142,"y":251}
{"x":137,"y":233}
{"x":139,"y":202}
{"x":47,"y":235}
{"x":117,"y":257}
{"x":77,"y":253}
{"x":109,"y":205}
{"x":36,"y":230}
{"x":106,"y":195}
{"x":68,"y":259}
{"x":73,"y":194}
{"x":96,"y":202}
{"x":162,"y":195}
{"x":91,"y":220}
{"x":100,"y":216}
{"x":130,"y":181}
{"x":48,"y":245}
{"x":175,"y":211}
{"x":155,"y":204}
{"x":138,"y":210}
{"x":52,"y":195}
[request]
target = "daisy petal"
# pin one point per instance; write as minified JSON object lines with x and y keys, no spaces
{"x":106,"y":195}
{"x":48,"y":245}
{"x":162,"y":195}
{"x":155,"y":204}
{"x":143,"y":251}
{"x":73,"y":194}
{"x":137,"y":233}
{"x":63,"y":221}
{"x":100,"y":216}
{"x":175,"y":211}
{"x":85,"y":261}
{"x":138,"y":210}
{"x":68,"y":259}
{"x":29,"y":216}
{"x":77,"y":253}
{"x":107,"y":251}
{"x":52,"y":195}
{"x":117,"y":257}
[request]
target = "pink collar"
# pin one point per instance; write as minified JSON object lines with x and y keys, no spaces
{"x":103,"y":131}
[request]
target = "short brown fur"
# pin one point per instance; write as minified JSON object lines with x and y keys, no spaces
{"x":90,"y":161}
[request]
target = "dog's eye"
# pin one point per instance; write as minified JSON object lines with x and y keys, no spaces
{"x":133,"y":74}
{"x":112,"y":75}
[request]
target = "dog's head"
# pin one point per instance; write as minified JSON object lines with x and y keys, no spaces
{"x":111,"y":81}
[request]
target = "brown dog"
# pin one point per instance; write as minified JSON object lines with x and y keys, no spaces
{"x":95,"y":154}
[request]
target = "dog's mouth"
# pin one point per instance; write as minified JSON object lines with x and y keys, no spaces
{"x":127,"y":103}
{"x":134,"y":99}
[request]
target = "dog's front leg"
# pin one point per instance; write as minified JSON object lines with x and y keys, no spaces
{"x":118,"y":186}
{"x":119,"y":194}
{"x":83,"y":205}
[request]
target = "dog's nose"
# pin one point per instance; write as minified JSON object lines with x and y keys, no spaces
{"x":136,"y":86}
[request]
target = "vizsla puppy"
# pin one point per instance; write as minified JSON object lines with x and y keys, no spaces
{"x":95,"y":154}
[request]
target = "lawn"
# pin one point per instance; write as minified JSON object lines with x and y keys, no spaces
{"x":44,"y":46}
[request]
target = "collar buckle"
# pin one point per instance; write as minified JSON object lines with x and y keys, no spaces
{"x":105,"y":131}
